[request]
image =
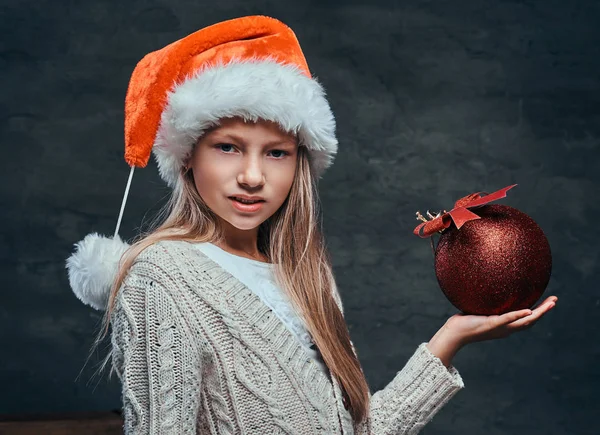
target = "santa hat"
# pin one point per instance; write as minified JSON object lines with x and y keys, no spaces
{"x":250,"y":67}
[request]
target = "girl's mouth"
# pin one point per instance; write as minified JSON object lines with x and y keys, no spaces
{"x":246,"y":207}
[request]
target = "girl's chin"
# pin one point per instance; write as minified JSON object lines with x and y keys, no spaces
{"x":245,"y":223}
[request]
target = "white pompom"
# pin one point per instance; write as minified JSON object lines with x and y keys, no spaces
{"x":93,"y":268}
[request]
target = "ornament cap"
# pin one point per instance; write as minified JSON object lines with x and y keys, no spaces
{"x":460,"y":214}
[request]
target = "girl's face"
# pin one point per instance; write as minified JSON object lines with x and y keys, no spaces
{"x":239,"y":158}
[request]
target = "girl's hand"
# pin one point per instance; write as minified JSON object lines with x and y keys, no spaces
{"x":470,"y":328}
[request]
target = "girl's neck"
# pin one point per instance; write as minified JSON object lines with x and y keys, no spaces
{"x":255,"y":255}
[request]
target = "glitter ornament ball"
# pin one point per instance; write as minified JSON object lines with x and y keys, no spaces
{"x":496,"y":264}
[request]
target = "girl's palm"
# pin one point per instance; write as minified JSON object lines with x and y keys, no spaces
{"x":472,"y":328}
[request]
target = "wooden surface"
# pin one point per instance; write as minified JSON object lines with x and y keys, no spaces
{"x":104,"y":423}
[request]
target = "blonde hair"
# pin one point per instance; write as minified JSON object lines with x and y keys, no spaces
{"x":291,"y":239}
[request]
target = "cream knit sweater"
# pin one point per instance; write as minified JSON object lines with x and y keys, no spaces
{"x":198,"y":353}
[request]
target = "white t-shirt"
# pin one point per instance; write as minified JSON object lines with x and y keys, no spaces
{"x":258,"y":277}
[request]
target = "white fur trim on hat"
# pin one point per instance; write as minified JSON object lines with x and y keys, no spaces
{"x":93,"y":268}
{"x":253,"y":89}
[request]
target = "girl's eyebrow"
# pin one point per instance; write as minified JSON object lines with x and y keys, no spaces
{"x":239,"y":139}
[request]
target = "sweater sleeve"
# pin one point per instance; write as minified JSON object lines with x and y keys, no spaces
{"x":157,"y":363}
{"x":413,"y":397}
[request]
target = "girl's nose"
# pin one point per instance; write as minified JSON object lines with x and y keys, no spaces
{"x":252,"y":175}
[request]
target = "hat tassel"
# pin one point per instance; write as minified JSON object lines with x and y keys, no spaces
{"x":94,"y":265}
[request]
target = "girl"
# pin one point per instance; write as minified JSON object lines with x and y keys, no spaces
{"x":226,"y":318}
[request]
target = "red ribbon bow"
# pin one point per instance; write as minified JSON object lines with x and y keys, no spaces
{"x":460,"y":213}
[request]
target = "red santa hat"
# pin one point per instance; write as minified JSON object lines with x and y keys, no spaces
{"x":250,"y":67}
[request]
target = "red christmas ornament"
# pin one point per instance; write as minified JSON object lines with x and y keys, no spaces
{"x":490,"y":258}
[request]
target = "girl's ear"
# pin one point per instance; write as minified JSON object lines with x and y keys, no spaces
{"x":187,"y":164}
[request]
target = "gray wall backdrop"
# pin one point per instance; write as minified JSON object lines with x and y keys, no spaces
{"x":434,"y":100}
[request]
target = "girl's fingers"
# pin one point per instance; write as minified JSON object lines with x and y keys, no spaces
{"x":527,"y":315}
{"x":548,"y":300}
{"x":525,"y":322}
{"x":529,"y":321}
{"x":512,"y":316}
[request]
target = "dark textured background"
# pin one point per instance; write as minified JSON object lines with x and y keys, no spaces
{"x":434,"y":100}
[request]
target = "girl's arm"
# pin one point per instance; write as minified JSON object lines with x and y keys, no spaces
{"x":417,"y":392}
{"x":413,"y":397}
{"x":159,"y":366}
{"x":428,"y":381}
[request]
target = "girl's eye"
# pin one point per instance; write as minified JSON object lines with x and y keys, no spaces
{"x":223,"y":145}
{"x":283,"y":153}
{"x":226,"y":145}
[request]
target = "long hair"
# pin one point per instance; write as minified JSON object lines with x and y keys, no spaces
{"x":292,"y":239}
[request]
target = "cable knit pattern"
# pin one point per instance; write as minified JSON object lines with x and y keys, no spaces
{"x":197,"y":352}
{"x":258,"y":276}
{"x":279,"y":302}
